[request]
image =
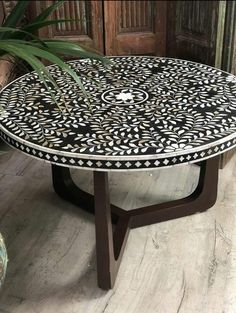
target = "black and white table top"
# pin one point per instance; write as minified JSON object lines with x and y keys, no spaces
{"x":142,"y":113}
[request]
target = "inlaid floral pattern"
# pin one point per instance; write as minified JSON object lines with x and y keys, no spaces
{"x":140,"y":108}
{"x":121,"y":96}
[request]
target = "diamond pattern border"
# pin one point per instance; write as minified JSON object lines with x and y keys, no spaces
{"x":124,"y":165}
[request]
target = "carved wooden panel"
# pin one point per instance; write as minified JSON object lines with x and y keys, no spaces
{"x":194,"y":17}
{"x":79,"y":10}
{"x":192,"y":29}
{"x":87,"y":29}
{"x":136,"y":16}
{"x":135,"y":27}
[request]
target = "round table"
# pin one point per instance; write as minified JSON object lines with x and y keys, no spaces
{"x":139,"y":113}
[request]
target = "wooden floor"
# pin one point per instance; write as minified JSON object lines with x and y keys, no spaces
{"x":183,"y":266}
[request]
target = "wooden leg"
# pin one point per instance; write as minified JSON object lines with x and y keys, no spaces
{"x":110,"y":244}
{"x":200,"y":200}
{"x":65,"y":187}
{"x":109,"y":247}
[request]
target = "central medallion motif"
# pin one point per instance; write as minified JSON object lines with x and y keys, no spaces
{"x":125,"y":96}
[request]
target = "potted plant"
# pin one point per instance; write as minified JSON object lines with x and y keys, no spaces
{"x":25,"y":47}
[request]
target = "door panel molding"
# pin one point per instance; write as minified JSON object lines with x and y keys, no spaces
{"x":88,"y":30}
{"x":135,"y":27}
{"x":192,"y":30}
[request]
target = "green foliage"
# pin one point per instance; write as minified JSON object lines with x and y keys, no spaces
{"x":3,"y":260}
{"x":23,"y":44}
{"x":16,"y":15}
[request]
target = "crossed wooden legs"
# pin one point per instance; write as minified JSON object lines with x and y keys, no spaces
{"x":110,"y":244}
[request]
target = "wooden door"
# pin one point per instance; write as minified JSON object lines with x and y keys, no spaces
{"x":1,"y":13}
{"x":195,"y":33}
{"x":111,"y":27}
{"x":192,"y":30}
{"x":87,"y":30}
{"x":135,"y":27}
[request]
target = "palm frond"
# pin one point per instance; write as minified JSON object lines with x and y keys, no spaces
{"x":47,"y":12}
{"x":9,"y":30}
{"x":37,"y":25}
{"x":19,"y":51}
{"x":73,"y":49}
{"x":16,"y":14}
{"x":23,"y":44}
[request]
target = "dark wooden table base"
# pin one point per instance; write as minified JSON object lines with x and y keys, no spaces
{"x":110,"y":244}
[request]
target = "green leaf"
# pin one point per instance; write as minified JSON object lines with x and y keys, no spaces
{"x":54,"y":59}
{"x":35,"y":26}
{"x":45,"y":14}
{"x":73,"y":49}
{"x":16,"y":14}
{"x":18,"y":50}
{"x":20,"y":31}
{"x":40,"y":69}
{"x":29,"y":53}
{"x":18,"y":41}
